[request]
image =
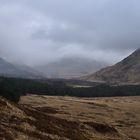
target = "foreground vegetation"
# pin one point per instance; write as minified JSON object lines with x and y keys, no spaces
{"x":13,"y":88}
{"x":70,"y":118}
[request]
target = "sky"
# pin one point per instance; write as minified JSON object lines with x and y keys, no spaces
{"x":37,"y":32}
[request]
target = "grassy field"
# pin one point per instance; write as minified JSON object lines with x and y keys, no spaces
{"x":70,"y":118}
{"x":86,"y":118}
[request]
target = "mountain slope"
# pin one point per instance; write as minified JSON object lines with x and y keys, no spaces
{"x":70,"y":67}
{"x":11,"y":70}
{"x":125,"y":72}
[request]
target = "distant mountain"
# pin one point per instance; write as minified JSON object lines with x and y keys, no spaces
{"x":125,"y":72}
{"x":70,"y":67}
{"x":22,"y":71}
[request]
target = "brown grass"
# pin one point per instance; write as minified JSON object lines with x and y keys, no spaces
{"x":69,"y":118}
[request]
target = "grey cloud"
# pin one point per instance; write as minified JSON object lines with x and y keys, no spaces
{"x":45,"y":31}
{"x":66,"y":35}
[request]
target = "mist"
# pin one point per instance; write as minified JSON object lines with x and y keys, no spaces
{"x":36,"y":32}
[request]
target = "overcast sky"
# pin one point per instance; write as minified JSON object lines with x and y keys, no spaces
{"x":41,"y":31}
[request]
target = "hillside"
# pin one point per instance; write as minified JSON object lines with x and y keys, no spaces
{"x":69,"y":118}
{"x":70,"y":67}
{"x":125,"y":72}
{"x":22,"y":71}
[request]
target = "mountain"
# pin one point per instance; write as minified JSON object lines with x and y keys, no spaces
{"x":125,"y":72}
{"x":70,"y":67}
{"x":22,"y":71}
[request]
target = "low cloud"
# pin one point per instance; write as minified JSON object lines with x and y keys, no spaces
{"x":38,"y":32}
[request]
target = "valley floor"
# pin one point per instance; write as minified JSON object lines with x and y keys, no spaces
{"x":70,"y":118}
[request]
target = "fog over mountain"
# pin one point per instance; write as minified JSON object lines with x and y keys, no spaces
{"x":42,"y":32}
{"x":10,"y":70}
{"x":126,"y":71}
{"x":70,"y":67}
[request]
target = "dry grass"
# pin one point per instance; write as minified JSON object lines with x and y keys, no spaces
{"x":69,"y":118}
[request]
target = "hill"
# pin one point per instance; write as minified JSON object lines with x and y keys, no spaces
{"x":70,"y":67}
{"x":125,"y":72}
{"x":11,"y":70}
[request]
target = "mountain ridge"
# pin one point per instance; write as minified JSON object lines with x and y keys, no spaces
{"x":126,"y":71}
{"x":68,"y":68}
{"x":8,"y":69}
